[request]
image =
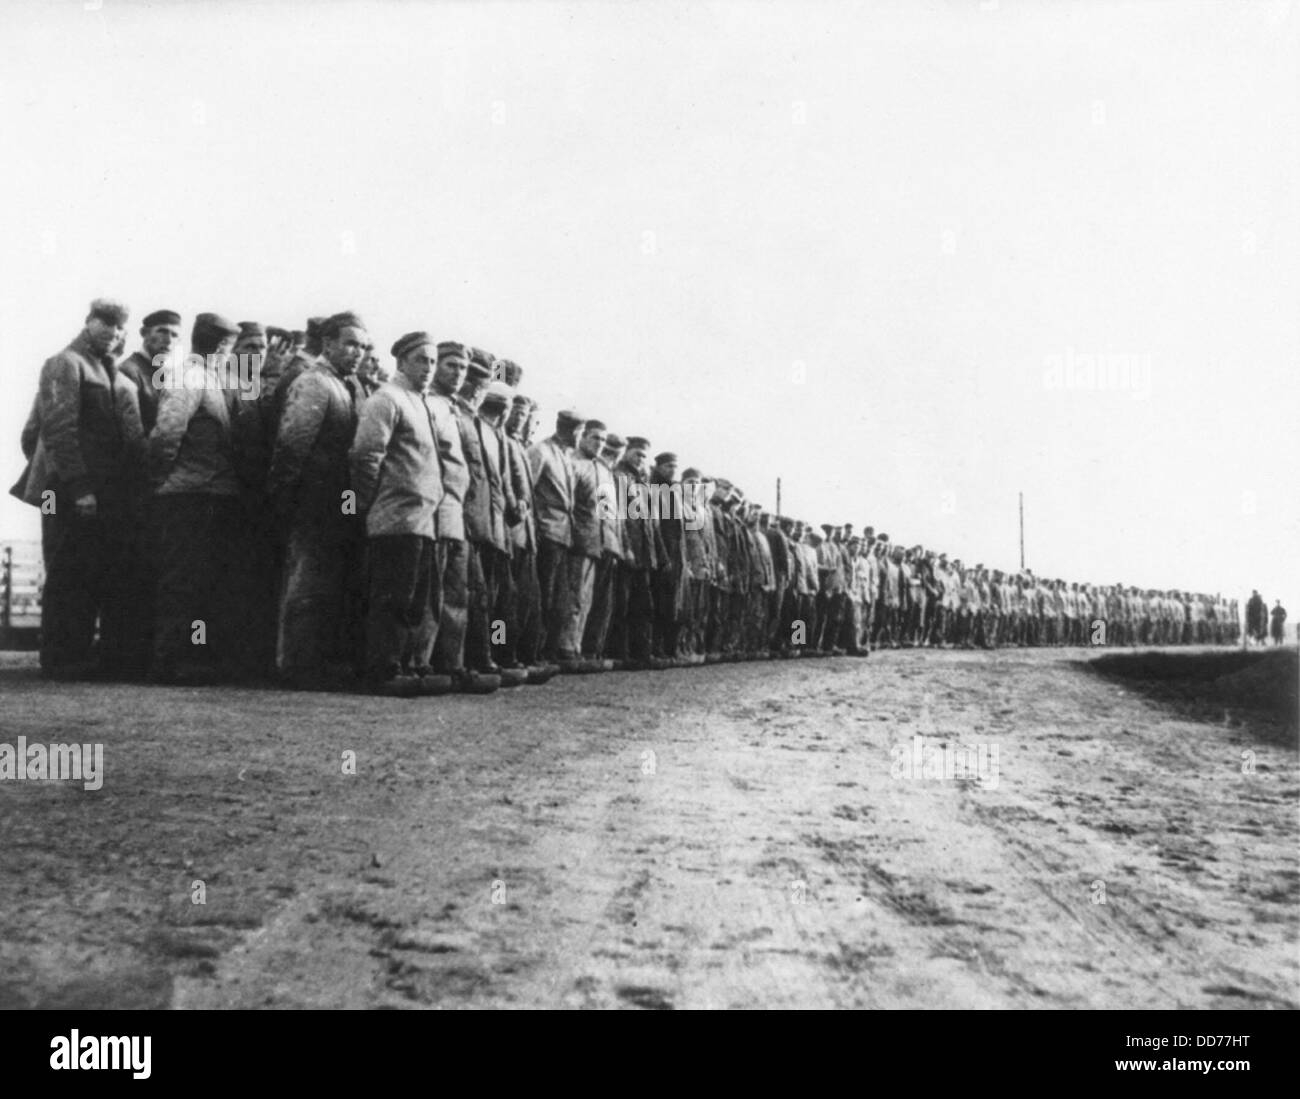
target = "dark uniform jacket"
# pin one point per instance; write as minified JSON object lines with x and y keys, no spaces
{"x":90,"y":436}
{"x":640,"y":548}
{"x":140,"y":370}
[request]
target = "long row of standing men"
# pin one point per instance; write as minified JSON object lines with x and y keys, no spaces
{"x":336,"y":526}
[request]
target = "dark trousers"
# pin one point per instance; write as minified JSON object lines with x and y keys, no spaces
{"x":320,"y":599}
{"x":486,"y":563}
{"x":399,"y":605}
{"x":528,"y":609}
{"x":195,"y":540}
{"x":632,"y":627}
{"x":667,"y":612}
{"x":697,"y":617}
{"x":717,"y":598}
{"x":737,"y":601}
{"x":789,"y":603}
{"x":88,"y":573}
{"x":830,"y":606}
{"x":451,"y":559}
{"x":505,"y":614}
{"x":253,"y":587}
{"x":553,"y":587}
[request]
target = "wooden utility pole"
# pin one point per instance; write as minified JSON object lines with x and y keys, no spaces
{"x":1022,"y":532}
{"x":778,"y":496}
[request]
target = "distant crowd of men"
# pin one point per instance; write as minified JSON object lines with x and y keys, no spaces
{"x":338,"y":526}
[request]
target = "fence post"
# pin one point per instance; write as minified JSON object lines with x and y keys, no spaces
{"x":7,"y":583}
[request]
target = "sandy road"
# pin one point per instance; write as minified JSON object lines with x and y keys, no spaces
{"x":729,"y":836}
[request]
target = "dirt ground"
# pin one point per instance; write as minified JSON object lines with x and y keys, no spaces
{"x":729,"y":836}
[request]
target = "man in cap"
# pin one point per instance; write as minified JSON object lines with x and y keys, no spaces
{"x":397,"y":477}
{"x":592,"y":484}
{"x":483,"y":509}
{"x":309,"y":486}
{"x":195,"y":513}
{"x":633,"y":620}
{"x":525,"y":643}
{"x":159,"y":335}
{"x":850,"y":597}
{"x":449,"y":586}
{"x":551,"y":464}
{"x":830,"y":576}
{"x":595,"y":639}
{"x":718,"y":595}
{"x":699,"y":554}
{"x":1256,"y":617}
{"x":781,"y":539}
{"x":368,"y":377}
{"x":496,"y":558}
{"x":303,"y":359}
{"x":739,"y":574}
{"x":762,"y":584}
{"x":671,"y":572}
{"x":1277,"y":623}
{"x":87,"y":475}
{"x":864,"y":575}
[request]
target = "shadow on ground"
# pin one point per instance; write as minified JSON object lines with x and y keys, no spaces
{"x":1261,"y":688}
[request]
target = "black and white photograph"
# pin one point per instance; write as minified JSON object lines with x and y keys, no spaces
{"x":722,"y":506}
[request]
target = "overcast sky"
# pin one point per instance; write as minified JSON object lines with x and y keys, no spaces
{"x":865,"y":248}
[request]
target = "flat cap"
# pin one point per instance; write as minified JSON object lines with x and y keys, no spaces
{"x":594,"y":425}
{"x":614,"y":442}
{"x":161,"y":316}
{"x":692,"y":474}
{"x":450,"y":349}
{"x":316,"y":327}
{"x":109,"y":310}
{"x":479,"y":371}
{"x":638,"y":442}
{"x":569,"y":418}
{"x":339,"y":321}
{"x":250,"y":328}
{"x":665,"y":457}
{"x":497,"y":396}
{"x":478,"y":355}
{"x":409,"y":342}
{"x":511,"y":373}
{"x":213,"y":325}
{"x":520,"y":401}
